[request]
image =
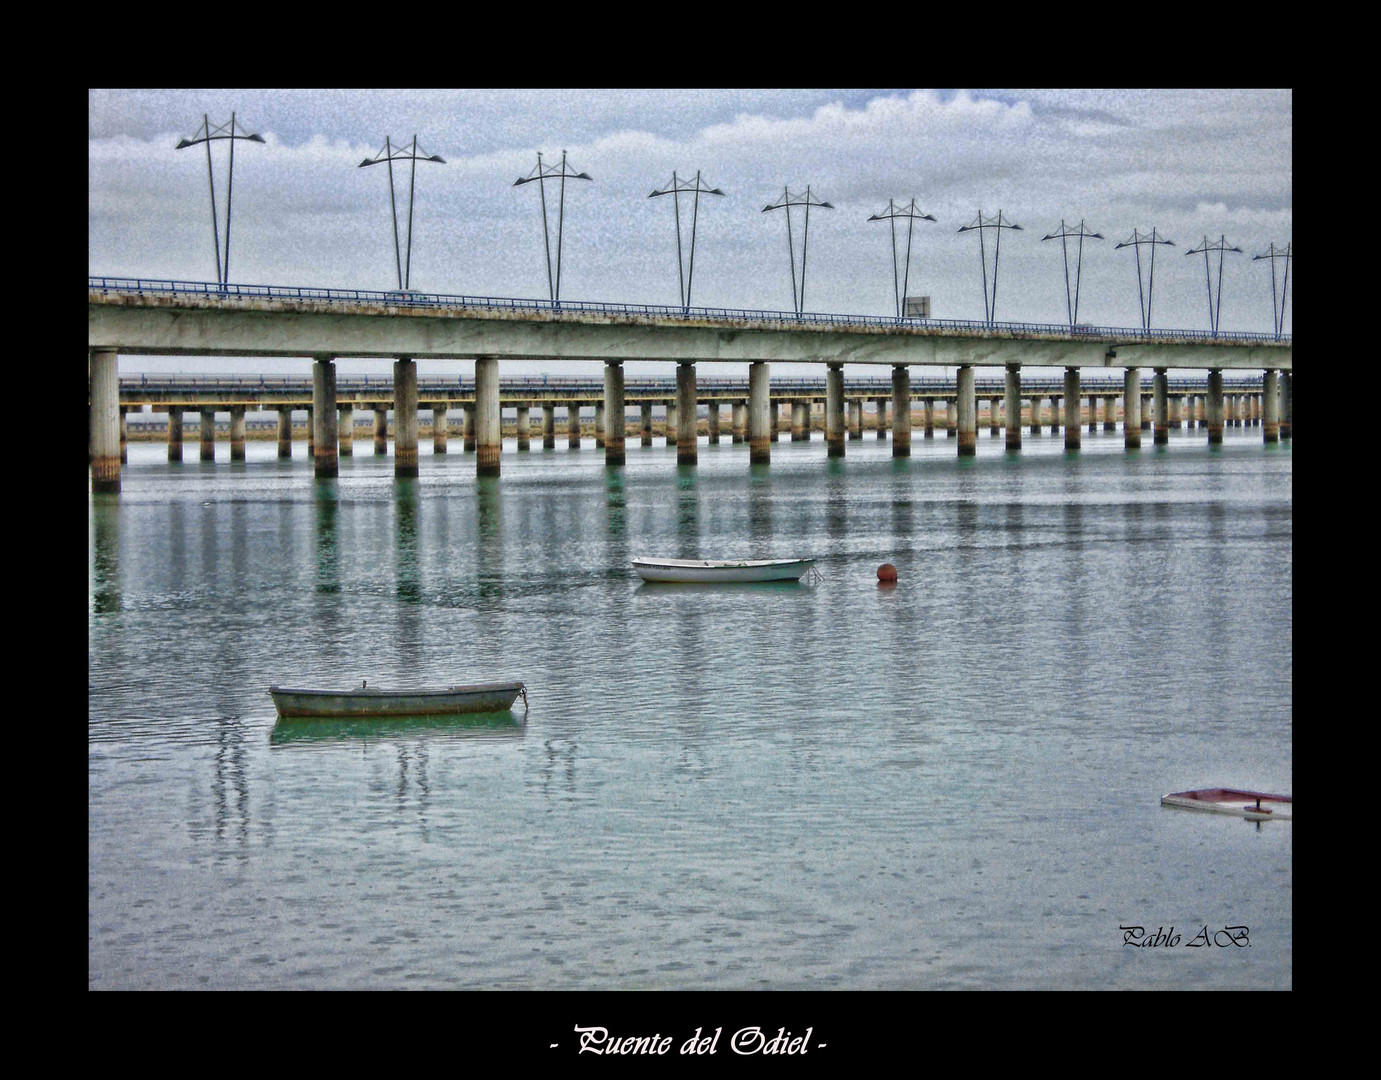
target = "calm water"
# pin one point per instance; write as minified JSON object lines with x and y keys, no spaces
{"x":951,"y":783}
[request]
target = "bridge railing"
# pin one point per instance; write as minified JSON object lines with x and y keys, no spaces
{"x":213,"y":290}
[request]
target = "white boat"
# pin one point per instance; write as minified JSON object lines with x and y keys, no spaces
{"x":371,"y":701}
{"x":715,"y":571}
{"x":1253,"y":805}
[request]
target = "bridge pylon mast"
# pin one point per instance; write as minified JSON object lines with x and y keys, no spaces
{"x":389,"y":154}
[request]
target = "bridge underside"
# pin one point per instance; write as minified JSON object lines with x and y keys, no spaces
{"x":170,"y":330}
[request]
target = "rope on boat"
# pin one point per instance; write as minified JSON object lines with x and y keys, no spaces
{"x":523,"y":691}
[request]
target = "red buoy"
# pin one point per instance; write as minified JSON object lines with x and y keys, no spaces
{"x":887,"y":572}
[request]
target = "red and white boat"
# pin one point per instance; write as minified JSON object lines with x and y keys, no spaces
{"x":1253,"y":805}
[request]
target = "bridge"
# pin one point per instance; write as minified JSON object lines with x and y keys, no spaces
{"x":163,"y":318}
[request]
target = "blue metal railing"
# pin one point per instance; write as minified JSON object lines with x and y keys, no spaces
{"x":430,"y":300}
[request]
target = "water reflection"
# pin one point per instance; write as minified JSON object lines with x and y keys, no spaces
{"x":407,"y":557}
{"x":489,"y":548}
{"x":337,"y":730}
{"x":687,"y":513}
{"x":105,"y":551}
{"x":325,"y":499}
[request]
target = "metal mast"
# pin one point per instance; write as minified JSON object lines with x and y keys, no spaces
{"x":675,"y":190}
{"x":207,"y":134}
{"x":1072,"y":306}
{"x":1136,"y":241}
{"x":980,"y":224}
{"x":1277,"y":309}
{"x":912,"y":215}
{"x":787,"y":201}
{"x":390,"y":154}
{"x":1215,"y":308}
{"x":542,"y":174}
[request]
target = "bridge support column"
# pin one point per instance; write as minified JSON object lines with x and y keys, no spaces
{"x":1161,"y":407}
{"x":208,"y":435}
{"x":967,"y":412}
{"x":599,"y":425}
{"x":1214,"y":406}
{"x":1270,"y":415}
{"x":672,"y":423}
{"x":1093,"y":412}
{"x":1175,"y":407}
{"x":1131,"y":409}
{"x":124,"y":436}
{"x":1145,"y":412}
{"x":1109,"y":413}
{"x":1073,"y":426}
{"x":994,"y":417}
{"x":285,"y":432}
{"x":441,"y":432}
{"x":901,"y":411}
{"x":380,"y":431}
{"x":548,"y":427}
{"x":739,"y":424}
{"x":405,"y":417}
{"x":237,"y":433}
{"x":614,"y":422}
{"x":775,"y":410}
{"x":686,"y":438}
{"x":175,"y":432}
{"x":311,"y":435}
{"x":105,"y":420}
{"x":856,"y":418}
{"x":800,"y":421}
{"x":573,"y":426}
{"x":712,"y":424}
{"x":1054,"y":415}
{"x":1287,"y":405}
{"x":834,"y":410}
{"x":345,"y":430}
{"x":881,"y":422}
{"x":647,"y":423}
{"x":1035,"y":416}
{"x":951,"y":429}
{"x":523,"y":428}
{"x":467,"y":426}
{"x":1013,"y":407}
{"x":325,"y":461}
{"x":760,"y":414}
{"x":488,"y":416}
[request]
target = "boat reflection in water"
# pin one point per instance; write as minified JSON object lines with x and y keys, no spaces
{"x":497,"y":724}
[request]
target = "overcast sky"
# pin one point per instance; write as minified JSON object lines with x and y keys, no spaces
{"x":1192,"y":163}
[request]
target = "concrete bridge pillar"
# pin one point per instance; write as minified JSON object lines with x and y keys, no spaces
{"x":880,"y":423}
{"x":1238,"y":400}
{"x":124,"y":436}
{"x":405,"y":417}
{"x":1161,"y":407}
{"x":1253,"y":410}
{"x":775,"y":409}
{"x":1073,"y":427}
{"x":345,"y":430}
{"x":800,"y":421}
{"x":237,"y":433}
{"x":1093,"y":412}
{"x":573,"y":426}
{"x":522,"y":426}
{"x":1287,"y":405}
{"x":1214,"y":406}
{"x":1013,"y":407}
{"x":994,"y":417}
{"x":966,"y":410}
{"x":712,"y":424}
{"x":1175,"y":401}
{"x":1035,"y":416}
{"x":599,"y":425}
{"x":1131,"y":409}
{"x":325,"y":461}
{"x":285,"y":432}
{"x":1109,"y":413}
{"x":1145,"y":412}
{"x":467,"y":427}
{"x":901,"y":411}
{"x":380,"y":431}
{"x":488,"y":416}
{"x":646,"y":416}
{"x":105,"y":420}
{"x":928,"y":418}
{"x":856,"y":418}
{"x":311,"y":435}
{"x":1054,"y":415}
{"x":208,"y":435}
{"x":548,"y":427}
{"x":441,"y":433}
{"x":951,"y":418}
{"x":686,"y":437}
{"x":672,"y":424}
{"x":738,"y":427}
{"x":614,"y":417}
{"x":761,"y":415}
{"x":834,"y":410}
{"x":1270,"y":403}
{"x":175,"y":433}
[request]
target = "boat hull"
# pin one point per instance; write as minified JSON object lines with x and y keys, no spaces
{"x":367,"y":702}
{"x":1253,"y":805}
{"x":715,"y":571}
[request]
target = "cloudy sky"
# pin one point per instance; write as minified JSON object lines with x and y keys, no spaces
{"x":1191,"y":163}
